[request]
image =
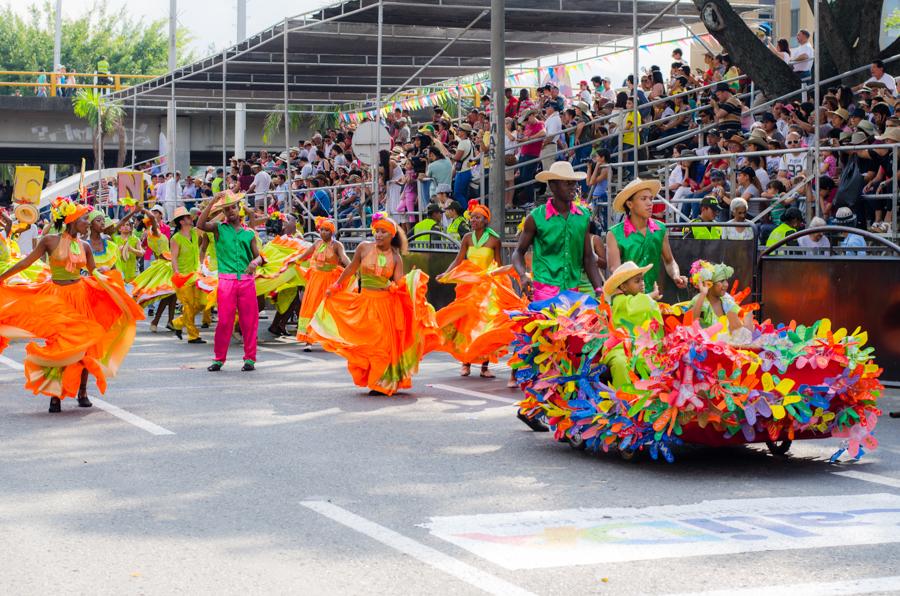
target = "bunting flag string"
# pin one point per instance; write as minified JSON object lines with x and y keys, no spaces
{"x":527,"y":78}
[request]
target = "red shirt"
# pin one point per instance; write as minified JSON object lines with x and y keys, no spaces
{"x":512,"y":107}
{"x":532,"y":149}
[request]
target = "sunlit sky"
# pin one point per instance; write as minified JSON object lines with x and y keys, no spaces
{"x":212,"y":23}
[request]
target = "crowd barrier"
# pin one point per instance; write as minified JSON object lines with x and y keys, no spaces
{"x":850,"y":291}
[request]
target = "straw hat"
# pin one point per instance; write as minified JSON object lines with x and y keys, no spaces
{"x":891,"y":134}
{"x":623,"y":273}
{"x":225,"y":199}
{"x":583,"y":107}
{"x":26,"y":213}
{"x":840,"y":112}
{"x":560,"y":170}
{"x":758,"y":141}
{"x":179,"y":213}
{"x":633,"y":188}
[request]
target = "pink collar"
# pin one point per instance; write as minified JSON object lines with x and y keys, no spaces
{"x":629,"y":228}
{"x":551,"y":210}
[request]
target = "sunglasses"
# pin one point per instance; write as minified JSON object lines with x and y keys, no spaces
{"x":793,"y":142}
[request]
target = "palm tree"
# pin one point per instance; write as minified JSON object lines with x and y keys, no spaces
{"x":104,"y":118}
{"x":318,"y":121}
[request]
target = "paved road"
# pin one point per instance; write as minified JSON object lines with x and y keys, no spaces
{"x":292,"y":480}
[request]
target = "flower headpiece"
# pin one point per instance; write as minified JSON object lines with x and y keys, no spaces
{"x":704,"y":271}
{"x":277,"y":215}
{"x":63,"y":208}
{"x":380,"y":221}
{"x":476,"y":207}
{"x":324,"y":223}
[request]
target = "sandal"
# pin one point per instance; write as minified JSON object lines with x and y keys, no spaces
{"x":466,"y":370}
{"x":486,"y":373}
{"x":216,"y":366}
{"x":248,"y":366}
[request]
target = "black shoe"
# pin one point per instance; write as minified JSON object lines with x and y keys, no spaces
{"x":196,"y":340}
{"x":248,"y":366}
{"x":84,"y":402}
{"x":55,"y":405}
{"x":204,"y":326}
{"x":179,"y":334}
{"x":214,"y":367}
{"x":171,"y":327}
{"x":533,"y":423}
{"x":894,"y":414}
{"x":274,"y":331}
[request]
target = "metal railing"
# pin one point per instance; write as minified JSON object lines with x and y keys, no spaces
{"x":53,"y":84}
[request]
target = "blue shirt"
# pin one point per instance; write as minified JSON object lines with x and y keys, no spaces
{"x":854,"y":240}
{"x":323,"y":198}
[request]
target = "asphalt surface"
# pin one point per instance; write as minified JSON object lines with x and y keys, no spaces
{"x":290,"y":480}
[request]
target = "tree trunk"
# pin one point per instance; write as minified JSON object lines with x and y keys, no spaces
{"x":121,"y":133}
{"x":769,"y":72}
{"x":851,"y":31}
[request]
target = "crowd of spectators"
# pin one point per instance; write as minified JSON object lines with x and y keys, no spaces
{"x":699,"y":119}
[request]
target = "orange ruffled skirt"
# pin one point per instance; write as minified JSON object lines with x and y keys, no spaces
{"x":87,"y":325}
{"x":317,"y":282}
{"x":475,"y":326}
{"x":381,"y":333}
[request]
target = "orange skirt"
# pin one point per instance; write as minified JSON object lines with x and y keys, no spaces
{"x":475,"y":326}
{"x":317,"y":282}
{"x":86,"y":325}
{"x":381,"y":333}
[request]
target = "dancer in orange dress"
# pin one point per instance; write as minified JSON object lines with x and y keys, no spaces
{"x":328,"y":260}
{"x":88,"y":322}
{"x":382,"y":331}
{"x":475,"y":326}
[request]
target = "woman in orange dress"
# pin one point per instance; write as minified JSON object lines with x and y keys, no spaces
{"x":475,"y":326}
{"x":382,"y":330}
{"x":88,"y":322}
{"x":328,"y":260}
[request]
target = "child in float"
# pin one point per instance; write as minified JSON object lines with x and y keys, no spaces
{"x":632,"y":309}
{"x":714,"y":301}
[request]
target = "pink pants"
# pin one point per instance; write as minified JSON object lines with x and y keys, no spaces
{"x":544,"y":291}
{"x":236,"y":295}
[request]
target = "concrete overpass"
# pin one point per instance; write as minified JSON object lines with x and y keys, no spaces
{"x":44,"y":131}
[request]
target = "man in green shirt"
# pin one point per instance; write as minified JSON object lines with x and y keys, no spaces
{"x":238,"y":257}
{"x":431,"y":222}
{"x":558,"y":232}
{"x":709,"y":208}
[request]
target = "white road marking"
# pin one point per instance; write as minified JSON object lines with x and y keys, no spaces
{"x":153,"y":429}
{"x":869,"y":477}
{"x":461,"y":391}
{"x":589,"y":536}
{"x":434,"y":558}
{"x":316,"y":414}
{"x":11,"y":363}
{"x":292,"y":354}
{"x":839,"y":588}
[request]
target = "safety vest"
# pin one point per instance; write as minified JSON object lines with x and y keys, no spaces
{"x":426,"y":225}
{"x":103,"y":67}
{"x":453,"y":228}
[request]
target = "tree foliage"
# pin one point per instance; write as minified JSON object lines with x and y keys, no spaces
{"x":109,"y":117}
{"x":132,"y":46}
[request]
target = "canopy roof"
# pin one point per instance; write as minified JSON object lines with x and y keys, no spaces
{"x":332,"y":53}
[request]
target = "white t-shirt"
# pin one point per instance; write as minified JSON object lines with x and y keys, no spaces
{"x":807,"y":64}
{"x":793,"y":164}
{"x":887,"y":80}
{"x":467,"y":154}
{"x":553,"y":126}
{"x":763,"y":177}
{"x":808,"y":242}
{"x":263,"y":181}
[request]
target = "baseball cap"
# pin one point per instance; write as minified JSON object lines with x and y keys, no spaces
{"x":711,"y":202}
{"x":717,"y":174}
{"x":432,"y":208}
{"x":722,"y":87}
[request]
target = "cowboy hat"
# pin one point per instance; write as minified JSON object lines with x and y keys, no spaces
{"x":891,"y":134}
{"x":623,"y":273}
{"x":631,"y":189}
{"x":179,"y":213}
{"x":465,"y":127}
{"x":844,"y":114}
{"x":525,"y":114}
{"x":225,"y":199}
{"x":581,"y":105}
{"x":758,"y":141}
{"x":560,"y":170}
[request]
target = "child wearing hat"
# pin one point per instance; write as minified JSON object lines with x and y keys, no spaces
{"x":632,"y":309}
{"x":714,"y":301}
